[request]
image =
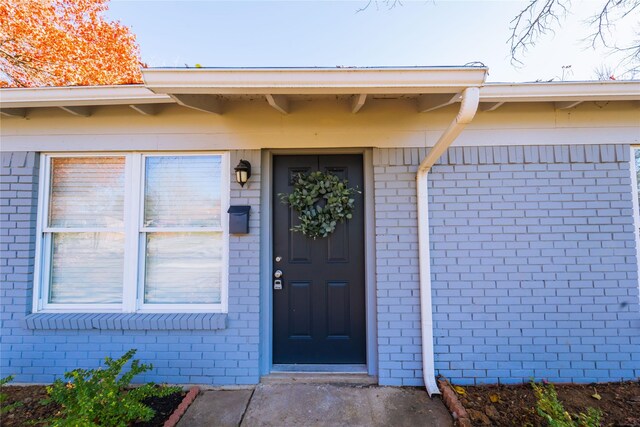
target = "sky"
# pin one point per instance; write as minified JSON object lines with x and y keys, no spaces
{"x":317,"y":33}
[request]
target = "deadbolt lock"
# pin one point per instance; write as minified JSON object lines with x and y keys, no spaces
{"x":277,"y":274}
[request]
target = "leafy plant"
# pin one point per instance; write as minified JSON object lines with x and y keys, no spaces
{"x":552,"y":410}
{"x":321,"y":201}
{"x":101,"y":397}
{"x":3,"y":397}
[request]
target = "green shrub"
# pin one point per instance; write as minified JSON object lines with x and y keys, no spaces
{"x":3,"y":397}
{"x":101,"y":397}
{"x":552,"y":410}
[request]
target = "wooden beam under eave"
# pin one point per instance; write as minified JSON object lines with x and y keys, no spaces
{"x":146,"y":109}
{"x":565,"y":105}
{"x":435,"y":101}
{"x":279,"y":102}
{"x":13,"y":112}
{"x":357,"y":102}
{"x":490,"y":106}
{"x":80,"y":111}
{"x":205,"y":103}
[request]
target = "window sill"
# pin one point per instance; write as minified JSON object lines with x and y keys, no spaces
{"x":127,"y":321}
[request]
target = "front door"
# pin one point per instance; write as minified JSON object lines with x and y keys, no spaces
{"x":319,"y":314}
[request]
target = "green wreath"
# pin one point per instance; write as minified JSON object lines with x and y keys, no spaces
{"x":321,"y":201}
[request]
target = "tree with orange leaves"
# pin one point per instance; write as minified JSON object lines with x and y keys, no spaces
{"x":64,"y":43}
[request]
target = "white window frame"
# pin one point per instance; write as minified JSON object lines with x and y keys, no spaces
{"x":134,"y":232}
{"x":636,"y":207}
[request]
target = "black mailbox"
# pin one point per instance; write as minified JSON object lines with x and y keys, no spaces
{"x":239,"y":219}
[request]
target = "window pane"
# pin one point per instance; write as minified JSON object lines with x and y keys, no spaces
{"x":183,"y":268}
{"x":86,"y":268}
{"x":87,"y":192}
{"x":182,"y":191}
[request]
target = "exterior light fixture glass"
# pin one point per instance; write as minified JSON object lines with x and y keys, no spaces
{"x":243,"y":172}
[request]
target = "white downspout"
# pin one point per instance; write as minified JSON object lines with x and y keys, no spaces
{"x":468,"y":108}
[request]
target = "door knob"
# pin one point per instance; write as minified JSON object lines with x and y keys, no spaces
{"x":277,"y":274}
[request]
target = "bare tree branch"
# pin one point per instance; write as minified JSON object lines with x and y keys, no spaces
{"x":540,"y":17}
{"x":535,"y":20}
{"x":388,"y":4}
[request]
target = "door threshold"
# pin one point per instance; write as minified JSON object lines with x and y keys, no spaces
{"x":319,"y":378}
{"x":319,"y":374}
{"x":319,"y":369}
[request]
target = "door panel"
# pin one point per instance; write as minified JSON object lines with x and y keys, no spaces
{"x":338,"y":312}
{"x":319,"y":314}
{"x":300,"y":310}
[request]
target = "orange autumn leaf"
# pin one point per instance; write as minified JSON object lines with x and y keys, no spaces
{"x":64,"y":43}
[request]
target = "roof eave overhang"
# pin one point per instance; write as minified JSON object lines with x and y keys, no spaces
{"x":561,"y":91}
{"x":80,"y":96}
{"x":314,"y":81}
{"x":163,"y":86}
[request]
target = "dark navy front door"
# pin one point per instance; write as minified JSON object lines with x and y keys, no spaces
{"x":319,"y":314}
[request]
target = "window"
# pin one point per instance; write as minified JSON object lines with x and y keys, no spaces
{"x":132,"y":233}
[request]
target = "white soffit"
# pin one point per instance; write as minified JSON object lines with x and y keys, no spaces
{"x":301,"y":81}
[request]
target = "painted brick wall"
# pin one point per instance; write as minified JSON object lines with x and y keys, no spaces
{"x":534,"y":270}
{"x":534,"y":274}
{"x":227,"y":356}
{"x":398,"y":297}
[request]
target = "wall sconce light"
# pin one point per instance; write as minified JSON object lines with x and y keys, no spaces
{"x":243,"y":172}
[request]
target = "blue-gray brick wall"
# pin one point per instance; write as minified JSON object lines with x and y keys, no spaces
{"x":533,"y":274}
{"x":215,"y":357}
{"x":534,"y":270}
{"x":397,"y":278}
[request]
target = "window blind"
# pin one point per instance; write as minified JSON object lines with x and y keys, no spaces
{"x":182,"y":191}
{"x":87,"y":192}
{"x":87,"y":268}
{"x":183,"y":268}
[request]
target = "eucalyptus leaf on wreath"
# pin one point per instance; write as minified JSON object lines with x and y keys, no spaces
{"x":321,"y":201}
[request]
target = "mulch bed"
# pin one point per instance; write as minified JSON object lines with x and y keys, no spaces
{"x":164,"y":407}
{"x":515,"y":405}
{"x":32,"y":412}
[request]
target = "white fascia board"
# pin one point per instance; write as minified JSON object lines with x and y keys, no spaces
{"x":561,"y":91}
{"x":79,"y":96}
{"x":310,"y":81}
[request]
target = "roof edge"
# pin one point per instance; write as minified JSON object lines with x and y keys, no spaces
{"x":628,"y":90}
{"x":80,"y":96}
{"x":314,"y":80}
{"x":400,"y":81}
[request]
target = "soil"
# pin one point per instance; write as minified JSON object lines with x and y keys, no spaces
{"x":32,"y":412}
{"x":515,"y":404}
{"x":30,"y":409}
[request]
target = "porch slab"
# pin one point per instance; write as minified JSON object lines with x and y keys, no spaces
{"x":223,"y":408}
{"x":340,"y":405}
{"x":317,"y":405}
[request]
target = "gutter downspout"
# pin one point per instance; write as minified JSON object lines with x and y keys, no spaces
{"x":468,"y":108}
